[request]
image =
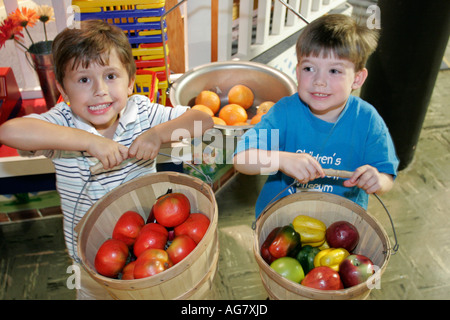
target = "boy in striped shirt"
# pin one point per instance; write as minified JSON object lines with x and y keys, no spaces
{"x":97,"y":122}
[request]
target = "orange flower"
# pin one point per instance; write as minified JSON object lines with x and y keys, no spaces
{"x":25,"y":16}
{"x":22,"y":18}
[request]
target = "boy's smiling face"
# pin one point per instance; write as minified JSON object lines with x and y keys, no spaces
{"x":325,"y":83}
{"x":98,"y":93}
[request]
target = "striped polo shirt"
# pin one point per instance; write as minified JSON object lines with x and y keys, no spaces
{"x":78,"y":189}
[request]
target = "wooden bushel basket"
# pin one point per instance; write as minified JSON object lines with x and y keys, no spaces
{"x":373,"y":243}
{"x":192,"y":277}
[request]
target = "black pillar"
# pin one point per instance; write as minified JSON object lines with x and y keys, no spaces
{"x":403,"y":69}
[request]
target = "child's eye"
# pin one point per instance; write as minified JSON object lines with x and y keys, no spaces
{"x":308,"y":69}
{"x":84,"y":80}
{"x":335,"y":71}
{"x":111,"y":76}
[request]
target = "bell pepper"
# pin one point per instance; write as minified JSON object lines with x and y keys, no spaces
{"x":265,"y":254}
{"x":331,"y":258}
{"x":285,"y":242}
{"x":306,"y":257}
{"x":312,"y":231}
{"x":324,"y":245}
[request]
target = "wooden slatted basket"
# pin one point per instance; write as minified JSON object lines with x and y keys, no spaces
{"x":373,"y":243}
{"x":192,"y":277}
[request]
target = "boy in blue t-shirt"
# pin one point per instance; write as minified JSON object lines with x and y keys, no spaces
{"x":323,"y":126}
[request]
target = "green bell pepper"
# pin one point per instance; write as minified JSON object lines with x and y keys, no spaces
{"x":306,"y":257}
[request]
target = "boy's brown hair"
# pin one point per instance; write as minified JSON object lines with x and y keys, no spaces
{"x":340,"y":35}
{"x":92,"y":42}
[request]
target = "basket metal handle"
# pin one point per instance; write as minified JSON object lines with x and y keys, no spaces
{"x":396,"y":245}
{"x":329,"y":172}
{"x":97,"y":168}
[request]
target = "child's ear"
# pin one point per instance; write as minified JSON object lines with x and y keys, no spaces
{"x":62,"y":92}
{"x":360,"y":77}
{"x":297,"y":70}
{"x":131,"y":85}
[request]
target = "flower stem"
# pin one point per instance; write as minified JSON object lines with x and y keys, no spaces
{"x":45,"y":32}
{"x":29,"y":36}
{"x":26,"y":49}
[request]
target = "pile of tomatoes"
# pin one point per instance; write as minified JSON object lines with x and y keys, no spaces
{"x":139,"y":249}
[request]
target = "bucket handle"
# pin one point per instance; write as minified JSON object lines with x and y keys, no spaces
{"x":97,"y":168}
{"x":394,"y":249}
{"x":340,"y":174}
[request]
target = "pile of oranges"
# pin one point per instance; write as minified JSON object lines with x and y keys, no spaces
{"x":240,"y":99}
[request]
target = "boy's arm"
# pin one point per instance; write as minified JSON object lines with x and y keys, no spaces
{"x":300,"y":166}
{"x":189,"y":124}
{"x":192,"y":123}
{"x":371,"y":180}
{"x":35,"y":134}
{"x":386,"y":184}
{"x":255,"y":161}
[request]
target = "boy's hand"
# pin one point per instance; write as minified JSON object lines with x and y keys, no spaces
{"x":146,"y":146}
{"x":109,"y":152}
{"x":300,"y":166}
{"x":367,"y":178}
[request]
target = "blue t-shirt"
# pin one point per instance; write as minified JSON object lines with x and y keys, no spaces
{"x":357,"y":138}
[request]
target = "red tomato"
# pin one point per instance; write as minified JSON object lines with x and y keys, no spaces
{"x":171,"y":209}
{"x":180,"y":247}
{"x":155,"y":227}
{"x":323,"y":278}
{"x":151,"y":262}
{"x":128,"y":271}
{"x":111,"y":258}
{"x":127,"y":227}
{"x":195,"y":227}
{"x":152,"y":235}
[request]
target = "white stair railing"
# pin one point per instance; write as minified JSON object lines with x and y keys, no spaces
{"x":259,"y":27}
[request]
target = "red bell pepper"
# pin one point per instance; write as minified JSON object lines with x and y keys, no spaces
{"x":285,"y":243}
{"x":265,"y":254}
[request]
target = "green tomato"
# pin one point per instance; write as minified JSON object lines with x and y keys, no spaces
{"x":288,"y":268}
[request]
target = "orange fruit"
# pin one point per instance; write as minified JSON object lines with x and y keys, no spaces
{"x":240,"y":124}
{"x":203,"y":108}
{"x":209,"y":99}
{"x":233,"y":113}
{"x":241,"y":95}
{"x":257,"y":118}
{"x":264,"y":106}
{"x":217,"y":120}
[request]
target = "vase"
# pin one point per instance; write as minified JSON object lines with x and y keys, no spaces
{"x":42,"y":61}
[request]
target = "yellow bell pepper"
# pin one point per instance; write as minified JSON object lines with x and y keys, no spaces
{"x":312,"y":231}
{"x":324,"y":245}
{"x":331,"y":258}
